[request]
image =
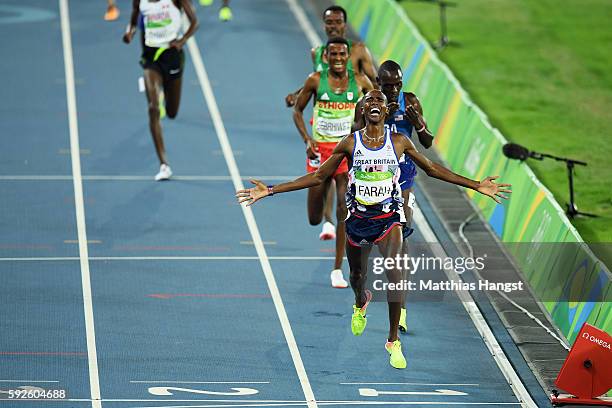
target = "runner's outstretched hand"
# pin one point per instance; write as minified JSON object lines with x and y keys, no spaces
{"x":290,"y":100}
{"x":490,"y":188}
{"x":252,"y":195}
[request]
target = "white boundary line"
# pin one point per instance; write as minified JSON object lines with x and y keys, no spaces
{"x":169,"y":258}
{"x":197,"y":382}
{"x":302,"y":19}
{"x":468,"y":302}
{"x":409,"y":383}
{"x":331,"y":403}
{"x":250,"y":220}
{"x":94,"y":381}
{"x":102,"y":177}
{"x":273,"y":403}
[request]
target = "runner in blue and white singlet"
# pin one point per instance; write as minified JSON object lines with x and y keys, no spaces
{"x":374,"y":199}
{"x":406,"y":118}
{"x":398,"y":122}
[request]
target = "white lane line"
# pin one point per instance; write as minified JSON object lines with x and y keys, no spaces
{"x":102,"y":177}
{"x":436,"y":403}
{"x":34,"y":177}
{"x":169,"y":258}
{"x":251,"y":223}
{"x":304,"y":22}
{"x":41,"y":259}
{"x":274,"y":403}
{"x":409,"y":383}
{"x":478,"y":319}
{"x":94,"y":381}
{"x":28,"y":381}
{"x":197,"y":382}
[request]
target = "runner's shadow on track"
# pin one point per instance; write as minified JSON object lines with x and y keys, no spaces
{"x":140,"y":150}
{"x":142,"y":209}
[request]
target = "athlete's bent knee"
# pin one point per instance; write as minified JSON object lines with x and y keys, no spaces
{"x":171,"y":114}
{"x":153,"y":111}
{"x":356,"y":276}
{"x":314,"y":220}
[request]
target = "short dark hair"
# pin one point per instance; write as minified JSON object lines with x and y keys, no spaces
{"x":337,"y":40}
{"x":333,"y":9}
{"x":389,"y":66}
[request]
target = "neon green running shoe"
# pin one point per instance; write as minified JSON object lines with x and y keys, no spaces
{"x":359,"y":319}
{"x":396,"y":357}
{"x":225,"y":14}
{"x":206,"y":3}
{"x":403,"y":327}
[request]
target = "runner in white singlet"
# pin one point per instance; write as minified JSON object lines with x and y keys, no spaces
{"x":162,"y":60}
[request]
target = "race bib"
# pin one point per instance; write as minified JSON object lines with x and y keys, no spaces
{"x":373,"y":187}
{"x":334,"y":127}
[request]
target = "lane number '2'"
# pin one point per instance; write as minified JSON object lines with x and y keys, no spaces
{"x":237,"y":392}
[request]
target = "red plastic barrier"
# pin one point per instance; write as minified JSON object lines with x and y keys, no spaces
{"x":587,"y":371}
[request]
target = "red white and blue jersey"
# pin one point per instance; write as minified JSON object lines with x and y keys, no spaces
{"x":399,"y":123}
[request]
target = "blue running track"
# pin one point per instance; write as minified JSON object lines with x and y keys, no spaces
{"x":182,"y":311}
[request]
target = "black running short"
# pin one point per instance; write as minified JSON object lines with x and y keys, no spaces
{"x":364,"y":231}
{"x":169,"y":63}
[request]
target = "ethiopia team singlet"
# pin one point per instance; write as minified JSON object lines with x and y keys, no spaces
{"x":373,"y":185}
{"x":162,"y":22}
{"x":333,"y":114}
{"x":319,"y":65}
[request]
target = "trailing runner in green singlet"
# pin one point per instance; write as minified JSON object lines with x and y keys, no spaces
{"x":333,"y":113}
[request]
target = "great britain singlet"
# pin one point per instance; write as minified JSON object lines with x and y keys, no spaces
{"x":373,"y":185}
{"x":318,"y":65}
{"x":333,"y":114}
{"x":162,"y":22}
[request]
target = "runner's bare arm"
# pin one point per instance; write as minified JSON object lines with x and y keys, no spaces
{"x":425,"y":136}
{"x":487,"y":186}
{"x":365,"y":62}
{"x":307,"y":92}
{"x":193,"y":23}
{"x":364,"y":83}
{"x":133,"y":24}
{"x":327,"y":169}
